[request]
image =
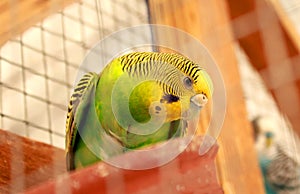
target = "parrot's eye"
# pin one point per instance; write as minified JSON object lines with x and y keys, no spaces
{"x":187,"y":82}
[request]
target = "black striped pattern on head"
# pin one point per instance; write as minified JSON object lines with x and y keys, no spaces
{"x":162,"y":67}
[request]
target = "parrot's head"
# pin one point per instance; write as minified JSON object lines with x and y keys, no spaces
{"x":179,"y":84}
{"x":197,"y":85}
{"x":185,"y":84}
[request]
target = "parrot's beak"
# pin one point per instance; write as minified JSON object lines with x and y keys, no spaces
{"x":269,"y":139}
{"x":199,"y":100}
{"x":268,"y":142}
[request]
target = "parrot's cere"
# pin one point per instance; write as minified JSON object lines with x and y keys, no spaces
{"x":138,"y":99}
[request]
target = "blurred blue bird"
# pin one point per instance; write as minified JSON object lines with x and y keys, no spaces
{"x":278,"y":153}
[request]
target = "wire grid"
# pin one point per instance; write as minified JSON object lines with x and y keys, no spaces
{"x":38,"y":68}
{"x":278,"y":72}
{"x":260,"y":102}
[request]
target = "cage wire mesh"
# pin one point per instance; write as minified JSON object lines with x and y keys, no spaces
{"x":39,"y":67}
{"x":251,"y":80}
{"x":262,"y":102}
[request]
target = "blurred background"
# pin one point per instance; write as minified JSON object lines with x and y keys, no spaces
{"x":38,"y":68}
{"x":256,"y":43}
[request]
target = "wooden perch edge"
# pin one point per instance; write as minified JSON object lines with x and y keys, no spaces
{"x":187,"y":173}
{"x":26,"y":164}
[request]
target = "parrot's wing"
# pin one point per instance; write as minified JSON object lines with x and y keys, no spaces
{"x":81,"y":92}
{"x":284,"y":169}
{"x":283,"y":172}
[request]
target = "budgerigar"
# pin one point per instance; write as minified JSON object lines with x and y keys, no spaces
{"x":278,"y":156}
{"x":139,"y":99}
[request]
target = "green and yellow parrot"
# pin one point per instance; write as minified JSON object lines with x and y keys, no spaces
{"x":139,"y":99}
